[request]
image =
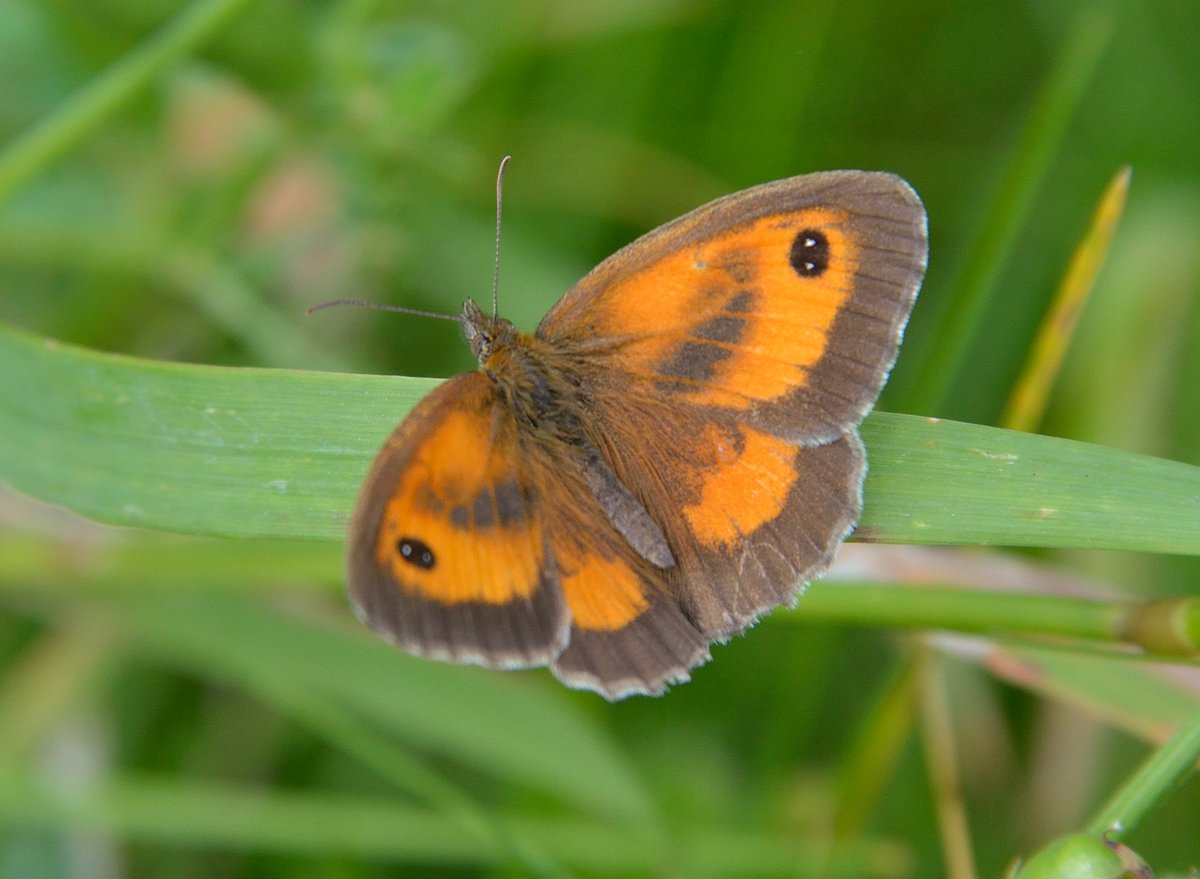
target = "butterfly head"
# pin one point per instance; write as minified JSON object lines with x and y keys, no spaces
{"x":484,"y":332}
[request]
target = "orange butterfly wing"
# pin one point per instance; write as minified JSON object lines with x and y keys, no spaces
{"x":472,"y":543}
{"x":729,"y":357}
{"x":629,"y":634}
{"x":784,"y":303}
{"x":447,"y":557}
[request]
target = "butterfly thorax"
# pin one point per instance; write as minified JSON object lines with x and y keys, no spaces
{"x":541,"y":386}
{"x":530,"y":376}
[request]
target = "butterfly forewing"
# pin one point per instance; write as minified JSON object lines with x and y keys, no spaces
{"x":784,"y":303}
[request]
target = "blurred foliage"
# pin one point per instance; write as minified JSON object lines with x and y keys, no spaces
{"x":303,"y":151}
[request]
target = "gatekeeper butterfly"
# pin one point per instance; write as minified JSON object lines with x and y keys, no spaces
{"x":672,"y":453}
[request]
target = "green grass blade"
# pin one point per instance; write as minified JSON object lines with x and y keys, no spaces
{"x":224,"y":816}
{"x":1158,"y":776}
{"x":273,"y":453}
{"x":945,"y":482}
{"x":200,"y":450}
{"x":499,"y":725}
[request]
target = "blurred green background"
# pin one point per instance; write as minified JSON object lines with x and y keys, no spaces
{"x":276,"y":154}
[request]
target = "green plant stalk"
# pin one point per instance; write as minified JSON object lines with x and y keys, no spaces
{"x":1151,"y":783}
{"x":1031,"y":159}
{"x":104,"y":95}
{"x":960,"y":609}
{"x":1165,"y":628}
{"x":942,"y":769}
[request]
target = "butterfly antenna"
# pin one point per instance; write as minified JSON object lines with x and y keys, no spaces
{"x":380,"y":306}
{"x":496,"y":262}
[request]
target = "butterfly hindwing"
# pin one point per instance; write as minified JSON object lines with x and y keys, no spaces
{"x":629,"y":633}
{"x":447,"y":556}
{"x":749,"y":515}
{"x":473,"y":545}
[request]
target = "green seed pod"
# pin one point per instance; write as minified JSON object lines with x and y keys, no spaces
{"x":1074,"y":857}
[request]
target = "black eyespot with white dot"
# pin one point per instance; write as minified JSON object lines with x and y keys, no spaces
{"x":810,"y":253}
{"x":416,"y":552}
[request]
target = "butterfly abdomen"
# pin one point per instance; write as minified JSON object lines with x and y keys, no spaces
{"x":543,"y":388}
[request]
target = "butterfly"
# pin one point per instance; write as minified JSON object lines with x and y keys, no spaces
{"x":671,"y":454}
